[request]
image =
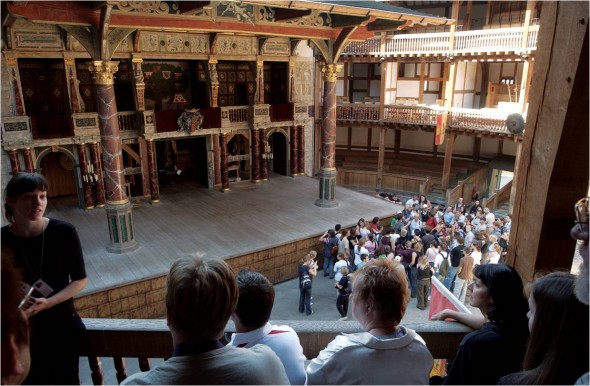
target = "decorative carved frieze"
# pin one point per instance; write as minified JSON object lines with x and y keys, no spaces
{"x":315,"y":19}
{"x":303,"y":81}
{"x":148,"y":125}
{"x":16,"y":130}
{"x":174,"y":42}
{"x":261,"y":114}
{"x":235,"y":45}
{"x":276,"y":47}
{"x":86,"y":125}
{"x":157,"y":7}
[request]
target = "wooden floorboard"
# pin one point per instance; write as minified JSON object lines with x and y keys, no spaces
{"x":192,"y":219}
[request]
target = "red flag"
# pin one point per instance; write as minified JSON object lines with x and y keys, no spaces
{"x":441,"y":126}
{"x":441,"y":298}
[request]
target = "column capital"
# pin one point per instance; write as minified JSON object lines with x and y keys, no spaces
{"x":103,"y":71}
{"x":259,"y":62}
{"x":330,"y":72}
{"x":137,"y":59}
{"x":213,"y":61}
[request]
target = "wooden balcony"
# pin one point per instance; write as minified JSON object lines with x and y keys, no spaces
{"x":499,"y":40}
{"x":147,"y":338}
{"x":488,"y":121}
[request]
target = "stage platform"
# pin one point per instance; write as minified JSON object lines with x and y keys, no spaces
{"x":191,"y":218}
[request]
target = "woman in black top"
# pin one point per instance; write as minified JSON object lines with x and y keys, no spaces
{"x":49,"y":254}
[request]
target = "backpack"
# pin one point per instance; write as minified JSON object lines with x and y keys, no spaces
{"x":334,"y":250}
{"x":443,"y":269}
{"x":348,"y":288}
{"x":305,"y":281}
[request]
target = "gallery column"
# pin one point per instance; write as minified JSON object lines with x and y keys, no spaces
{"x":224,"y":173}
{"x":255,"y":155}
{"x":294,"y":151}
{"x":29,"y":165}
{"x":118,"y":207}
{"x":264,"y":161}
{"x":327,"y":173}
{"x":95,"y":168}
{"x":86,"y":188}
{"x":301,"y":150}
{"x":14,"y":164}
{"x":153,"y":171}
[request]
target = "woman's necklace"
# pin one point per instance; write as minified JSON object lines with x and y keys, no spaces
{"x":42,"y":254}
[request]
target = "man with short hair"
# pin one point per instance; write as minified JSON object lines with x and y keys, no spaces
{"x":490,"y":217}
{"x":201,"y":295}
{"x":255,"y":302}
{"x":413,"y":201}
{"x":456,"y":255}
{"x":449,"y":216}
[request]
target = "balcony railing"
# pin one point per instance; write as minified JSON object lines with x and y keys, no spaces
{"x":145,"y":339}
{"x":473,"y":119}
{"x":466,"y":42}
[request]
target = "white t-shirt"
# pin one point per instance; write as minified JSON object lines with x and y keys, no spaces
{"x":357,"y":254}
{"x":338,"y":269}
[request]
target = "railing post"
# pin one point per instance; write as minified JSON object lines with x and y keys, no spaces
{"x":96,"y":372}
{"x":120,"y":367}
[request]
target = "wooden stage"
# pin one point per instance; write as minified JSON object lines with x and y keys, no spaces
{"x":191,"y":218}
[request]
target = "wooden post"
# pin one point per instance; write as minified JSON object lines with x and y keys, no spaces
{"x":448,"y":158}
{"x":397,"y":141}
{"x":453,"y":29}
{"x":523,"y":95}
{"x":476,"y":148}
{"x":553,"y":166}
{"x":381,"y":156}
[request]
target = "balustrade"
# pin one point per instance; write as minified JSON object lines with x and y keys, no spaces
{"x":128,"y":121}
{"x":144,"y":339}
{"x":466,"y":42}
{"x":473,"y":119}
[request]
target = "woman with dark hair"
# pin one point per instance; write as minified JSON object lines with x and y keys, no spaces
{"x":497,"y":347}
{"x":49,"y":253}
{"x":557,"y":353}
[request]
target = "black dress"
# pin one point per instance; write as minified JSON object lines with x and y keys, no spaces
{"x":57,"y":333}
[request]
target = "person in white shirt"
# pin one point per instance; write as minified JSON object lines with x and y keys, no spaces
{"x":412,"y":201}
{"x":255,"y":302}
{"x":359,"y":250}
{"x":490,"y":217}
{"x":386,"y":352}
{"x":341,"y":263}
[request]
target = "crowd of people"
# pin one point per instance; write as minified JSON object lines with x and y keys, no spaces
{"x":540,"y":341}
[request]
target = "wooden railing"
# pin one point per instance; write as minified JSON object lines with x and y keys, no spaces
{"x":145,"y":339}
{"x":478,"y":41}
{"x":473,"y":119}
{"x":465,"y":187}
{"x":234,"y":114}
{"x":128,"y":121}
{"x":488,"y":120}
{"x":501,"y":195}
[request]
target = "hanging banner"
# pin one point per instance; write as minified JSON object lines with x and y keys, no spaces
{"x":441,"y":126}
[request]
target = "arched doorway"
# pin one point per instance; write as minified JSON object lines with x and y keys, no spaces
{"x":278,"y":146}
{"x":58,"y":168}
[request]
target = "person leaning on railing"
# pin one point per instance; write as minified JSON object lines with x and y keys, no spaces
{"x":386,"y":352}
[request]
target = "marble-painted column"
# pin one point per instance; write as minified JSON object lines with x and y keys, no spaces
{"x":14,"y":164}
{"x":224,"y":173}
{"x":139,"y":89}
{"x":153,"y":171}
{"x":263,"y":161}
{"x":17,"y":92}
{"x":86,"y":189}
{"x":97,"y":171}
{"x":327,"y":173}
{"x":294,"y":144}
{"x":28,"y":157}
{"x":255,"y":155}
{"x":214,"y":82}
{"x":216,"y":161}
{"x":118,"y":207}
{"x":301,"y":150}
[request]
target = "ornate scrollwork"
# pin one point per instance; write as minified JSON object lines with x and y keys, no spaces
{"x":159,"y":7}
{"x":190,"y":120}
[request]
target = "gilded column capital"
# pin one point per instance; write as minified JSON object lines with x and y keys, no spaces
{"x":102,"y":72}
{"x":330,"y":72}
{"x":69,"y":61}
{"x":213,"y":61}
{"x":259,"y":63}
{"x":137,"y":60}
